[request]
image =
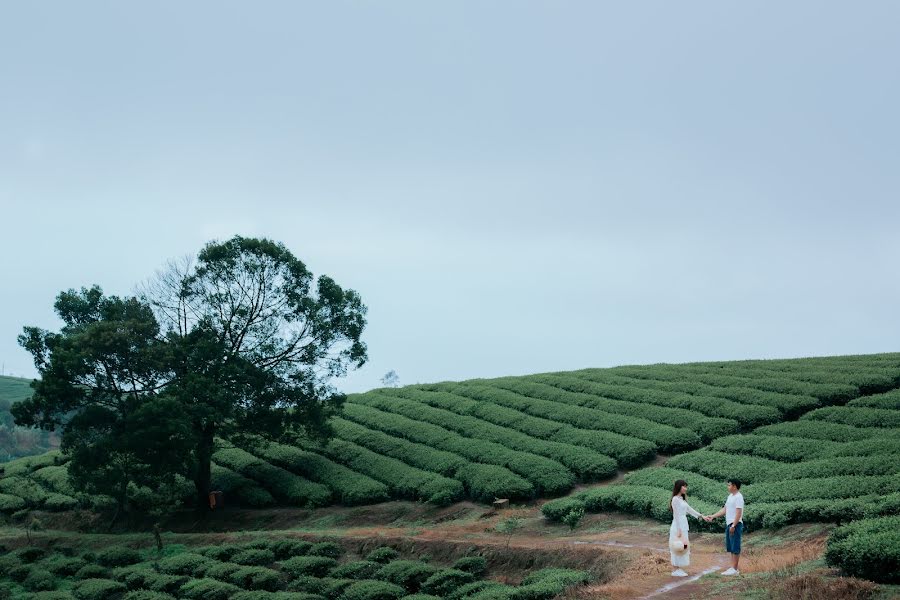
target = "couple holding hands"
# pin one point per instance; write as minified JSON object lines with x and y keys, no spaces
{"x":678,"y":533}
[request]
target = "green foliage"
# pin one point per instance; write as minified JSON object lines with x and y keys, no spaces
{"x":315,"y":566}
{"x":98,"y":589}
{"x":254,"y":557}
{"x":208,"y":589}
{"x":360,"y":569}
{"x":64,"y":566}
{"x":287,"y":548}
{"x":92,"y":572}
{"x":118,"y":556}
{"x":235,"y":486}
{"x":329,"y":549}
{"x":256,"y":578}
{"x":373,"y":590}
{"x":409,"y":574}
{"x":10,"y":503}
{"x":383,"y":555}
{"x":349,"y":487}
{"x":40,"y":581}
{"x":147,"y":595}
{"x":476,"y":565}
{"x":446,"y":581}
{"x":284,"y":485}
{"x":573,"y":517}
{"x":869,"y":548}
{"x":187,"y":563}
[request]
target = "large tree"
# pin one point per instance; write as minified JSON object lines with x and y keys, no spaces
{"x":243,"y":340}
{"x":262,"y":339}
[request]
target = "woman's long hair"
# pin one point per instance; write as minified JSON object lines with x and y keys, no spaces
{"x":676,"y":490}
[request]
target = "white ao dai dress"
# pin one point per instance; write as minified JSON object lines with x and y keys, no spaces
{"x":680,"y":510}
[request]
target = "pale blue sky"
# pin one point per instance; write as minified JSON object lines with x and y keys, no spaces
{"x":512,"y":187}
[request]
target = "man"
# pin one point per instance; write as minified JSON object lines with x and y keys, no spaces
{"x":734,"y":524}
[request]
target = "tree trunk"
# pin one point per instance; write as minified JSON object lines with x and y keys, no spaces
{"x":203,"y":474}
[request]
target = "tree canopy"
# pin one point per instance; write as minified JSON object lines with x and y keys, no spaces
{"x":241,"y":341}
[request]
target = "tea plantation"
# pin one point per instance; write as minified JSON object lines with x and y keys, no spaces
{"x":285,"y":569}
{"x":814,"y":439}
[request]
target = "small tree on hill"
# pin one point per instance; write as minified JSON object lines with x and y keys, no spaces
{"x":508,"y":527}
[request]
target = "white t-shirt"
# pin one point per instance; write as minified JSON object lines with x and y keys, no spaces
{"x":734,"y":502}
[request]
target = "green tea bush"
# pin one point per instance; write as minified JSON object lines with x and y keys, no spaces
{"x":64,"y":566}
{"x":350,"y":488}
{"x":316,"y":566}
{"x":92,"y":572}
{"x":98,"y":589}
{"x":208,"y":589}
{"x":476,"y":565}
{"x":329,"y":549}
{"x":10,"y":503}
{"x":404,"y":480}
{"x":869,"y":548}
{"x":223,"y":570}
{"x":147,"y":595}
{"x":59,"y":502}
{"x":383,"y":555}
{"x":254,"y":557}
{"x":29,"y":554}
{"x":257,"y":578}
{"x":469,"y":437}
{"x":188,"y":563}
{"x":283,"y":484}
{"x":862,"y":417}
{"x":236,"y":486}
{"x":410,"y":574}
{"x":19,"y":573}
{"x":445,"y":581}
{"x":57,"y":595}
{"x":118,"y":556}
{"x":470,"y":589}
{"x":40,"y":581}
{"x":420,"y":597}
{"x":288,"y":548}
{"x":486,"y":482}
{"x":160,"y":582}
{"x":456,"y":413}
{"x":373,"y":590}
{"x":360,"y":569}
{"x":555,"y":510}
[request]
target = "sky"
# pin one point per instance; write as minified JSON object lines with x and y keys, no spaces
{"x":512,"y":187}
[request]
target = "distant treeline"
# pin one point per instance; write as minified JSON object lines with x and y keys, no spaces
{"x":19,"y":441}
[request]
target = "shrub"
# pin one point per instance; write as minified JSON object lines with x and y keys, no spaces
{"x":29,"y":554}
{"x":373,"y":590}
{"x":256,"y":578}
{"x":159,"y":582}
{"x":10,"y":503}
{"x":63,"y":565}
{"x":445,"y":581}
{"x":147,"y":595}
{"x":59,"y":502}
{"x":409,"y":574}
{"x":98,"y":589}
{"x":118,"y":556}
{"x":254,"y":557}
{"x":39,"y":581}
{"x":208,"y":589}
{"x":476,"y":565}
{"x":360,"y":569}
{"x":92,"y":572}
{"x":329,"y":549}
{"x":869,"y":548}
{"x":384,"y":555}
{"x":187,"y":563}
{"x":316,"y":566}
{"x":470,"y":589}
{"x":48,"y":595}
{"x":420,"y":597}
{"x":285,"y":485}
{"x":223,"y":552}
{"x":288,"y":548}
{"x":573,"y":517}
{"x":555,"y":510}
{"x":19,"y":573}
{"x":223,"y":570}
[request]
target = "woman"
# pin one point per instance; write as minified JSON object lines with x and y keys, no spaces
{"x":679,"y":529}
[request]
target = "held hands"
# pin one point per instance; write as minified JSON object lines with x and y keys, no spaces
{"x":707,"y":518}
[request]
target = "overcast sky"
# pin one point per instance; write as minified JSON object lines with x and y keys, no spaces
{"x":512,"y":187}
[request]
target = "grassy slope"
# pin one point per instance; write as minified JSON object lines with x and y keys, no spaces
{"x":14,"y":389}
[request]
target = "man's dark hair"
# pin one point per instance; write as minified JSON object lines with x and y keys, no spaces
{"x":736,"y":482}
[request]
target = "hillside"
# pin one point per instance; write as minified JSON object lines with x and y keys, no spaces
{"x":17,"y":441}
